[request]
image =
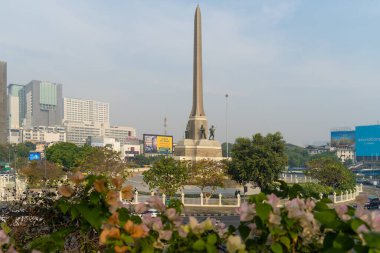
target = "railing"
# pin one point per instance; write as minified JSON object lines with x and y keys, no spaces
{"x":297,"y":179}
{"x":201,"y":201}
{"x":347,"y":195}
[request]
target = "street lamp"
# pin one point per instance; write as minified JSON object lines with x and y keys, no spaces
{"x":227,"y":124}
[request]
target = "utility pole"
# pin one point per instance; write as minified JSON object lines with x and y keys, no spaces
{"x":227,"y":124}
{"x":165,"y":125}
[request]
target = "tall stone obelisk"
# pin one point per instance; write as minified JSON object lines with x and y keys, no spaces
{"x":197,"y":116}
{"x":196,"y":144}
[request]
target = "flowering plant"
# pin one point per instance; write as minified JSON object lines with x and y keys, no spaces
{"x":94,"y":210}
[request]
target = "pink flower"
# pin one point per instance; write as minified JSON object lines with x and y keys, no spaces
{"x":295,"y":208}
{"x":274,"y":201}
{"x":156,"y":202}
{"x":165,"y":234}
{"x":140,"y":208}
{"x":12,"y":250}
{"x":182,"y":232}
{"x":274,"y":218}
{"x":4,"y":238}
{"x":171,"y":213}
{"x":247,"y":212}
{"x":310,"y":204}
{"x":362,"y":229}
{"x":341,"y":210}
{"x":375,"y":217}
{"x":154,"y":223}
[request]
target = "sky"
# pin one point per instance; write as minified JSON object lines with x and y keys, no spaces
{"x":298,"y":67}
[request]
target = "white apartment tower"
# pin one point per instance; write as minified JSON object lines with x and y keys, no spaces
{"x":82,"y":110}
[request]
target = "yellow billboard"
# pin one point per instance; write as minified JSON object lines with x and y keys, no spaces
{"x":158,"y":144}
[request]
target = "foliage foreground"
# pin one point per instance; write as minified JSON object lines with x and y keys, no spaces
{"x":90,"y":217}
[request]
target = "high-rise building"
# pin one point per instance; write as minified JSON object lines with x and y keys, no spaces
{"x":83,"y":110}
{"x":3,"y":103}
{"x":79,"y":132}
{"x":41,"y":104}
{"x":14,"y":105}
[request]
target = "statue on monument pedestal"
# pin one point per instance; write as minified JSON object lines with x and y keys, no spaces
{"x":212,"y":132}
{"x":202,"y":132}
{"x":187,"y":131}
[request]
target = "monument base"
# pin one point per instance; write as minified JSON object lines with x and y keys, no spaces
{"x":195,"y":150}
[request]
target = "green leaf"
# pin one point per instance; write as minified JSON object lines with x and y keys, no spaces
{"x":199,"y":245}
{"x":5,"y":227}
{"x":92,"y":216}
{"x":211,"y":248}
{"x":276,"y":248}
{"x":126,"y":238}
{"x":244,"y":231}
{"x":343,"y":241}
{"x":355,"y":223}
{"x":372,"y":239}
{"x":74,"y":213}
{"x":257,"y":198}
{"x":328,"y":218}
{"x":263,"y":210}
{"x":94,"y":198}
{"x":285,"y":241}
{"x":212,"y":239}
{"x":64,"y":206}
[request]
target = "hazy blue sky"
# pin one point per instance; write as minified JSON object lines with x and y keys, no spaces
{"x":298,"y":67}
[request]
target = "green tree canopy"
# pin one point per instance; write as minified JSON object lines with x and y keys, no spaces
{"x":259,"y":160}
{"x":331,"y":172}
{"x":331,"y":155}
{"x":167,"y":175}
{"x":63,"y":153}
{"x":208,"y":175}
{"x":224,"y":149}
{"x":101,"y":160}
{"x":297,"y":156}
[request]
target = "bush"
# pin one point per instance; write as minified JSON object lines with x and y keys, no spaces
{"x":96,"y":220}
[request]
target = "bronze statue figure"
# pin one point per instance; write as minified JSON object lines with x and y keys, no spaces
{"x":212,"y":132}
{"x":203,"y":132}
{"x":187,"y":131}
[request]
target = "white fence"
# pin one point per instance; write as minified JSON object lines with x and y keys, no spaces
{"x":197,"y":201}
{"x":347,"y":195}
{"x":297,"y":179}
{"x":11,"y":187}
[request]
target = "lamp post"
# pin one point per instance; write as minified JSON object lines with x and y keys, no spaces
{"x":227,"y":124}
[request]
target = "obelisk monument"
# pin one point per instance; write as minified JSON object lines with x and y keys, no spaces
{"x":196,"y":146}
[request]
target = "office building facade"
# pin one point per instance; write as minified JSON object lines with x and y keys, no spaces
{"x":83,"y":110}
{"x":3,"y":103}
{"x":41,"y":104}
{"x":14,"y":105}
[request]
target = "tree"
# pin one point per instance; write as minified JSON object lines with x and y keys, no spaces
{"x":224,"y":149}
{"x":207,"y":174}
{"x":259,"y":160}
{"x":331,"y":172}
{"x":142,"y":160}
{"x":328,"y":154}
{"x":34,"y":172}
{"x":297,"y":156}
{"x":63,"y":153}
{"x":168,"y":175}
{"x":101,"y":160}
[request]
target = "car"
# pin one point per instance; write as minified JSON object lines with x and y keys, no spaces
{"x":373,"y":203}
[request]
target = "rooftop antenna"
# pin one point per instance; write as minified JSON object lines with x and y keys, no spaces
{"x":165,"y":125}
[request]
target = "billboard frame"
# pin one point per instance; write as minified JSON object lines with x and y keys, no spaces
{"x":157,"y":152}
